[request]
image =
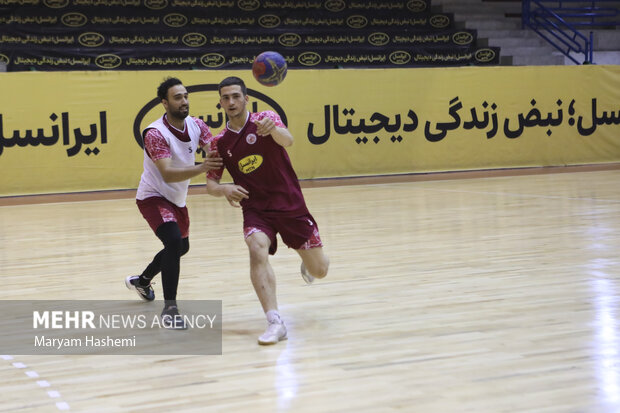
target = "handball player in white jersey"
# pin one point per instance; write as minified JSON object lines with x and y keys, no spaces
{"x":252,"y":148}
{"x":170,"y":145}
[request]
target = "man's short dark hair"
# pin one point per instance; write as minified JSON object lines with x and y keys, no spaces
{"x":230,"y":81}
{"x":162,"y":90}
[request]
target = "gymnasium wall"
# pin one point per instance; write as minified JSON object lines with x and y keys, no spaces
{"x":79,"y":131}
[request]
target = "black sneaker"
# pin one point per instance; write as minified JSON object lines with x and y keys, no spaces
{"x":171,"y":319}
{"x":145,"y":292}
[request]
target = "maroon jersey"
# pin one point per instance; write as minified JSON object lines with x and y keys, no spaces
{"x":262,"y":167}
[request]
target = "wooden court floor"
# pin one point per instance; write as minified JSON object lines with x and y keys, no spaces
{"x":488,"y":294}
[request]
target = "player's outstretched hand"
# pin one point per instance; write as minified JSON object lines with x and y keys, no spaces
{"x":234,"y":194}
{"x":265,"y":126}
{"x":212,"y":161}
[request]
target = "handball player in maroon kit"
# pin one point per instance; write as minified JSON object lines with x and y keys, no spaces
{"x":267,"y":189}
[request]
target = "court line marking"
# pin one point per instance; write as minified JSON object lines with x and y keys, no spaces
{"x":52,"y":394}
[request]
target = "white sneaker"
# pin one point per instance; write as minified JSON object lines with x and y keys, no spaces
{"x":274,"y":333}
{"x":306,"y":275}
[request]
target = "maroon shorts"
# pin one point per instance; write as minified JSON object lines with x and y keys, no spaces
{"x":157,"y":210}
{"x":300,"y":232}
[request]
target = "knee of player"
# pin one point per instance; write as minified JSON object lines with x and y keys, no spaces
{"x":175,"y":246}
{"x":184,"y":246}
{"x":320,"y":270}
{"x":259,"y":251}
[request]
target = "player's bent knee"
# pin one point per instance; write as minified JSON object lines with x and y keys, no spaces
{"x":324,"y":268}
{"x":322,"y":271}
{"x":319,"y":270}
{"x":174,"y":246}
{"x":259,"y":250}
{"x":184,"y":246}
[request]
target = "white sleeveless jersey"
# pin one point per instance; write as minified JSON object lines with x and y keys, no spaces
{"x":183,"y":156}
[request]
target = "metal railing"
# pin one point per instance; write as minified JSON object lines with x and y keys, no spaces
{"x":558,"y":22}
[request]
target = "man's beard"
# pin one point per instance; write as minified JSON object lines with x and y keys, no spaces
{"x":180,"y":114}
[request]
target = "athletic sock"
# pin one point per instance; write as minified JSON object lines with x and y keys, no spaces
{"x":273,"y":317}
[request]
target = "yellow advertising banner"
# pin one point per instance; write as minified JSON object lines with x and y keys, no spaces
{"x":80,"y":131}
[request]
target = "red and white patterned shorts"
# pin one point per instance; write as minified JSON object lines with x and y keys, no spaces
{"x":157,"y":210}
{"x":300,"y":233}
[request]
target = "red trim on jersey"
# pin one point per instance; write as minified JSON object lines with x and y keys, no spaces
{"x":156,"y":146}
{"x":183,"y":135}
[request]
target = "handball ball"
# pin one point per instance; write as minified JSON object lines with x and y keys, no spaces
{"x":269,"y":68}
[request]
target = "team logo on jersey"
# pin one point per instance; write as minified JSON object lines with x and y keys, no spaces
{"x":251,"y":139}
{"x":250,"y":163}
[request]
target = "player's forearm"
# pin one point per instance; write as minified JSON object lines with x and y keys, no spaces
{"x":181,"y":174}
{"x":215,"y":188}
{"x":282,"y":136}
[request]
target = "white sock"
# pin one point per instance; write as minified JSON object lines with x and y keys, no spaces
{"x":273,"y":316}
